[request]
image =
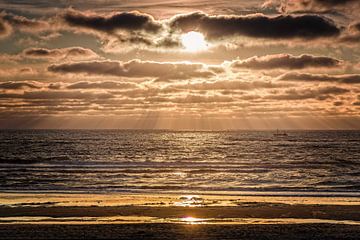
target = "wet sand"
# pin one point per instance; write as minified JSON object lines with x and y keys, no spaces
{"x":253,"y":210}
{"x":133,"y":216}
{"x":180,"y":231}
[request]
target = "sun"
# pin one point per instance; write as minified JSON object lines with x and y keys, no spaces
{"x":194,"y":42}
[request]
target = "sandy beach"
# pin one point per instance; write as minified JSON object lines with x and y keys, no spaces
{"x":180,"y":231}
{"x":172,"y":216}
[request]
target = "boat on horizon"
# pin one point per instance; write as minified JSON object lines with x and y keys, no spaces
{"x":280,"y":134}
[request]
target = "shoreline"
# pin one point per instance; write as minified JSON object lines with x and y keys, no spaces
{"x":245,"y":193}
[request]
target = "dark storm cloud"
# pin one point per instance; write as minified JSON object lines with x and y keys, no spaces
{"x":257,"y":25}
{"x":308,"y":77}
{"x":17,"y":85}
{"x":286,"y":61}
{"x":135,"y":68}
{"x":130,"y":21}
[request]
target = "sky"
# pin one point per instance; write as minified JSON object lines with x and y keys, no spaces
{"x":182,"y":65}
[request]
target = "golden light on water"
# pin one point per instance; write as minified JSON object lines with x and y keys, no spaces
{"x":194,"y":42}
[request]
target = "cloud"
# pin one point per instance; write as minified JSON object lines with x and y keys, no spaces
{"x":102,"y":85}
{"x":51,"y":68}
{"x":141,"y":29}
{"x":163,"y":71}
{"x":18,"y":85}
{"x":333,"y":2}
{"x":128,"y":21}
{"x":257,"y":25}
{"x":46,"y":94}
{"x":225,"y":85}
{"x":285,"y":61}
{"x":77,"y":53}
{"x":309,"y":93}
{"x":9,"y":58}
{"x":10,"y":23}
{"x":121,"y":28}
{"x":5,"y":29}
{"x":357,"y":26}
{"x":17,"y":72}
{"x":22,"y":23}
{"x":308,"y":77}
{"x":352,"y":35}
{"x":313,"y":5}
{"x":192,"y":99}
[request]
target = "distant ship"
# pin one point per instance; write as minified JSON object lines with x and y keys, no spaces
{"x":280,"y":134}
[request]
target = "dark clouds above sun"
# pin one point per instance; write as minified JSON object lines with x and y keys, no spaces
{"x":180,"y":64}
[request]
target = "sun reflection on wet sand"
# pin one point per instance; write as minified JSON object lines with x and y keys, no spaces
{"x":190,"y":201}
{"x":176,"y":209}
{"x":192,"y":220}
{"x":103,"y":200}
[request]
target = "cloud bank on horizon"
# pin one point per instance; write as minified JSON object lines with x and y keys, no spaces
{"x":104,"y":64}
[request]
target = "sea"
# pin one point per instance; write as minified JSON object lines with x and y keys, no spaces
{"x":160,"y":161}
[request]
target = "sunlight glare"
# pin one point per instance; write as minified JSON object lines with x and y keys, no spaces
{"x":192,"y":220}
{"x":194,"y":42}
